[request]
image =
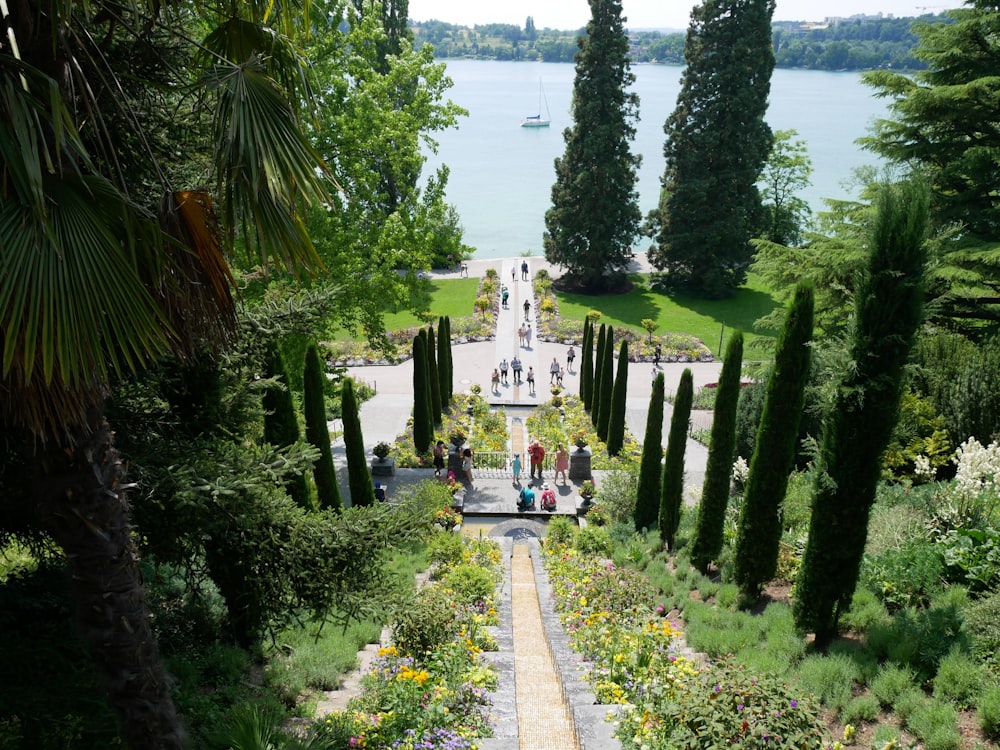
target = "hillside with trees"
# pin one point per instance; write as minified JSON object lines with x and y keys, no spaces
{"x":855,"y":43}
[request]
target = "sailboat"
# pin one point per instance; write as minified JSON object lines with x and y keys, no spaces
{"x":536,"y":121}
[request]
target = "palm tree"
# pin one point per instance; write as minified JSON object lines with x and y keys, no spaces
{"x":112,"y":256}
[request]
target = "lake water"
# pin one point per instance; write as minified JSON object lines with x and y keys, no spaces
{"x":502,"y":174}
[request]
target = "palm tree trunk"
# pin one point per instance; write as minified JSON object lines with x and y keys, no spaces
{"x":81,"y":493}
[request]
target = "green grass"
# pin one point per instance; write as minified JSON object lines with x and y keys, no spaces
{"x":678,"y":313}
{"x":453,"y":297}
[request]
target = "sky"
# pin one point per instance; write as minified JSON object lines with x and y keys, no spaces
{"x":643,"y":14}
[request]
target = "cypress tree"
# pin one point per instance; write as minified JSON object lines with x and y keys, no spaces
{"x":888,"y":311}
{"x":434,"y":380}
{"x":587,"y":364}
{"x":281,"y":425}
{"x":616,"y":420}
{"x":443,"y":350}
{"x":647,"y":496}
{"x":427,"y":382}
{"x":358,"y":479}
{"x":759,"y":531}
{"x":717,"y":142}
{"x":449,"y":353}
{"x":607,"y":384}
{"x":672,"y":492}
{"x":317,"y":433}
{"x":422,"y":432}
{"x":719,"y":467}
{"x":595,"y":214}
{"x":595,"y":387}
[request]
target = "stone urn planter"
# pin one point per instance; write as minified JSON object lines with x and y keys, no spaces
{"x":579,"y":464}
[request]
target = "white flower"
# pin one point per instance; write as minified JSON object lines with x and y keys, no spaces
{"x":922,"y":467}
{"x":741,"y":470}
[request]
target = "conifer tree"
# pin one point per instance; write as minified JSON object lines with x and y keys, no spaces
{"x":759,"y":532}
{"x":422,"y":429}
{"x":719,"y":467}
{"x":449,"y":376}
{"x":607,"y":384}
{"x":595,"y":396}
{"x":359,"y":481}
{"x":317,"y":432}
{"x":423,"y":333}
{"x":717,"y":142}
{"x":672,"y":490}
{"x":281,"y":424}
{"x":434,"y":379}
{"x":647,"y":496}
{"x":616,"y":420}
{"x":587,"y":364}
{"x":888,"y":311}
{"x":595,"y":214}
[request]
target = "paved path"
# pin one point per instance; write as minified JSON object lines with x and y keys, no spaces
{"x":553,"y":709}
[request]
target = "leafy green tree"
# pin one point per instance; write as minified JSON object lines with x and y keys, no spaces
{"x":358,"y":479}
{"x":434,"y":376}
{"x":759,"y":532}
{"x":422,"y":428}
{"x":717,"y":143}
{"x":719,"y":468}
{"x":587,"y":364}
{"x":317,"y":432}
{"x":607,"y":384}
{"x":887,"y":314}
{"x":786,"y":171}
{"x":943,"y":122}
{"x":672,"y":485}
{"x":594,"y":218}
{"x":616,"y":421}
{"x":281,"y":424}
{"x":647,"y":497}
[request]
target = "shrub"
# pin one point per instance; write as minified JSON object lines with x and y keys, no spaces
{"x":831,"y":678}
{"x":560,"y":530}
{"x":862,"y":708}
{"x":959,"y":678}
{"x":936,"y":723}
{"x":427,"y":621}
{"x":989,"y":712}
{"x":904,"y":577}
{"x":866,"y":611}
{"x":445,"y":549}
{"x":593,"y":540}
{"x":470,"y":584}
{"x":908,"y":702}
{"x":891,"y":682}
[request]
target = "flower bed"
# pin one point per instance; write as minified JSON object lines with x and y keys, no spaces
{"x":430,"y":688}
{"x":550,"y":426}
{"x":669,"y":700}
{"x":486,"y":430}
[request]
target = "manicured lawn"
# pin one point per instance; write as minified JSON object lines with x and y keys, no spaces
{"x":454,"y":298}
{"x":678,"y":314}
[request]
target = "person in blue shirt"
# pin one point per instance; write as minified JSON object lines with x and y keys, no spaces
{"x":526,"y":498}
{"x":515,"y":468}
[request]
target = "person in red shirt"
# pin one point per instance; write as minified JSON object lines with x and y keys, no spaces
{"x":537,"y":454}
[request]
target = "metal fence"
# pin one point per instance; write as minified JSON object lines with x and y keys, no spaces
{"x":496,"y":464}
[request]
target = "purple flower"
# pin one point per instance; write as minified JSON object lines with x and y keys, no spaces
{"x":794,"y":703}
{"x":718,"y":688}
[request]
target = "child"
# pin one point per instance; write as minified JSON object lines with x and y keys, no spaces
{"x":515,"y":467}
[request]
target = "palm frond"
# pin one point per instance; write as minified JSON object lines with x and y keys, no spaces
{"x":266,"y":168}
{"x":57,"y":317}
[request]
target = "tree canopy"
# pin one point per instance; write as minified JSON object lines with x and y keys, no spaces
{"x":595,"y":215}
{"x":717,"y":143}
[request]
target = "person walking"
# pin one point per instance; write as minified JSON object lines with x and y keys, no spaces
{"x":439,"y":458}
{"x":562,"y":463}
{"x":559,"y":376}
{"x":524,"y":270}
{"x":513,"y":274}
{"x":515,"y":365}
{"x":553,"y":370}
{"x":531,"y":379}
{"x":467,"y":465}
{"x":504,"y":296}
{"x":495,"y":380}
{"x":527,"y":336}
{"x":515,"y":469}
{"x":503,"y":370}
{"x":521,"y":332}
{"x":657,"y":353}
{"x":570,"y":356}
{"x":527,"y":308}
